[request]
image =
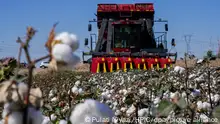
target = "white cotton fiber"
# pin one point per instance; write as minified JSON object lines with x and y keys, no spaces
{"x":68,"y":39}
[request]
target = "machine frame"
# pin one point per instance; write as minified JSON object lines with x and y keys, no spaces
{"x":107,"y":24}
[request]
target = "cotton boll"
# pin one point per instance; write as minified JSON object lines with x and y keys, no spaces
{"x":112,"y":91}
{"x":68,"y":39}
{"x":46,"y":120}
{"x":90,"y":108}
{"x":63,"y":53}
{"x":80,"y":91}
{"x":22,"y":90}
{"x":6,"y":109}
{"x":50,"y":95}
{"x":16,"y":117}
{"x":125,"y":92}
{"x":142,"y":92}
{"x":199,"y":105}
{"x":204,"y":118}
{"x":77,"y":83}
{"x":124,"y":99}
{"x":199,"y":79}
{"x":63,"y":122}
{"x":216,"y":98}
{"x":54,"y":99}
{"x":75,"y":90}
{"x":109,"y":102}
{"x":107,"y":91}
{"x":105,"y":95}
{"x":191,"y":76}
{"x":179,"y":69}
{"x":35,"y":97}
{"x":184,"y":94}
{"x":75,"y":42}
{"x":115,"y":103}
{"x":206,"y":105}
{"x":109,"y":96}
{"x":130,"y":110}
{"x":2,"y":121}
{"x":156,"y":100}
{"x":123,"y":109}
{"x":117,"y":112}
{"x":174,"y":95}
{"x":143,"y":112}
{"x":120,"y":91}
{"x":63,"y":58}
{"x":53,"y":117}
{"x":114,"y":108}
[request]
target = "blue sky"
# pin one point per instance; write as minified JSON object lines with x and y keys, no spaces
{"x":198,"y":17}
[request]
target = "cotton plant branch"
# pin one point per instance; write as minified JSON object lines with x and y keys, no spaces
{"x":186,"y":78}
{"x":19,"y":56}
{"x":209,"y":88}
{"x":31,"y":63}
{"x":191,"y":108}
{"x":50,"y":39}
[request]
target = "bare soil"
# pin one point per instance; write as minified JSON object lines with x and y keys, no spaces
{"x":191,"y":63}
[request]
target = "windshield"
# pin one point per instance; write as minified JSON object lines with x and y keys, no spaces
{"x":125,"y":36}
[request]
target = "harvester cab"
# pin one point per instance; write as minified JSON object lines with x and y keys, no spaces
{"x":126,"y":39}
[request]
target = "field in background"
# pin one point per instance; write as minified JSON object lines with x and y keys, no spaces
{"x":191,"y":63}
{"x":85,"y":67}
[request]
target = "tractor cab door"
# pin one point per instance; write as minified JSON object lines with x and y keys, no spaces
{"x":121,"y":39}
{"x":126,"y":38}
{"x":134,"y":38}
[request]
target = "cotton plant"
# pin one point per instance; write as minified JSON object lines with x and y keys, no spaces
{"x":14,"y":97}
{"x":61,"y":48}
{"x":18,"y":97}
{"x":179,"y":69}
{"x":91,"y":112}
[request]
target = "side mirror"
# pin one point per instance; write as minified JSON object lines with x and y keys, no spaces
{"x":90,"y":27}
{"x":173,"y":42}
{"x":86,"y":41}
{"x":166,"y":27}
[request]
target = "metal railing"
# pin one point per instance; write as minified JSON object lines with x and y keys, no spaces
{"x":161,"y":39}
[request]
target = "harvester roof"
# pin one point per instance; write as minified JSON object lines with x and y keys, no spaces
{"x":138,"y":7}
{"x":124,"y":11}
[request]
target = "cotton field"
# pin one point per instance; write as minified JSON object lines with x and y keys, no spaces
{"x":135,"y":94}
{"x":62,"y":95}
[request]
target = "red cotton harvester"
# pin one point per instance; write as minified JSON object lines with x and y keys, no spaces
{"x":126,"y":39}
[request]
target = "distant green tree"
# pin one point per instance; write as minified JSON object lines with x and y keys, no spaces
{"x":209,"y":54}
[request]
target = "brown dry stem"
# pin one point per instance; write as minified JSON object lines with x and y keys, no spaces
{"x":30,"y":33}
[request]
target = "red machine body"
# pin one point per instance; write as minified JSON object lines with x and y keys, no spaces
{"x":138,"y":53}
